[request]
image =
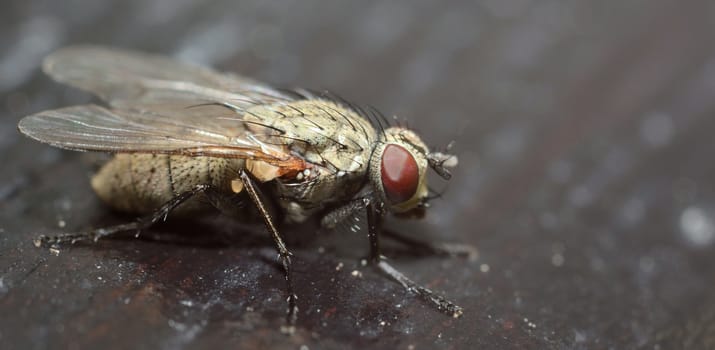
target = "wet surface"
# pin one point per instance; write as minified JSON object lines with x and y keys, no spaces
{"x":585,"y":134}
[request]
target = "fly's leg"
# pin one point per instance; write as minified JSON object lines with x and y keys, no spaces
{"x":437,"y":248}
{"x":333,"y":218}
{"x":283,"y":253}
{"x":438,"y":301}
{"x":141,"y":224}
{"x":375,"y":212}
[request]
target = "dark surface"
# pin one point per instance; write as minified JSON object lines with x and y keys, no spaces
{"x":585,"y":134}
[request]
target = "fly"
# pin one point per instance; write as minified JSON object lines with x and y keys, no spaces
{"x":179,"y":131}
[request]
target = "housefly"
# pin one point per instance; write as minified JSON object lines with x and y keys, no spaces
{"x":178,"y":131}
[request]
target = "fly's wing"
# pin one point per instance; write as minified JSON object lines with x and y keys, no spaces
{"x":95,"y":128}
{"x":145,"y":81}
{"x":157,"y":106}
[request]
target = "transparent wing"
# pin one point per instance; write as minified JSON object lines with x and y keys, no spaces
{"x":142,"y":81}
{"x":95,"y":128}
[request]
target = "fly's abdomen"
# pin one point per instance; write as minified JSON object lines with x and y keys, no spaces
{"x":140,"y":183}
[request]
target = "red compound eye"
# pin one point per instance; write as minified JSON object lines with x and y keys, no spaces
{"x":400,"y":175}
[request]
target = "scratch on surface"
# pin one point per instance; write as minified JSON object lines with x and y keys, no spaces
{"x":33,"y":269}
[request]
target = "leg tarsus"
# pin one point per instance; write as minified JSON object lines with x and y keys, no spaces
{"x":138,"y":225}
{"x":93,"y":235}
{"x":440,"y":302}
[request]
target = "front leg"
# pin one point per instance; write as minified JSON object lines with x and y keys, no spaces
{"x":375,"y":212}
{"x":358,"y":205}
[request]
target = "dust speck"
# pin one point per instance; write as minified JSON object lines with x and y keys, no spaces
{"x":484,"y":268}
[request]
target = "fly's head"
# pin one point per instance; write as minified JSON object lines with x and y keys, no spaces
{"x":398,"y":170}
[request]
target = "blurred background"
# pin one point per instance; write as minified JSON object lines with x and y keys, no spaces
{"x":585,"y":136}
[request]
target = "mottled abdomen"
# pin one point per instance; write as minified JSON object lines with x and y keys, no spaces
{"x":140,"y":183}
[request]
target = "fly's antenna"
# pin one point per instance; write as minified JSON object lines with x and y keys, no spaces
{"x":440,"y":162}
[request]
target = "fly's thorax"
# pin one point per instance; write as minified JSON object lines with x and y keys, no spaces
{"x":322,"y":132}
{"x":398,"y":169}
{"x":335,"y":142}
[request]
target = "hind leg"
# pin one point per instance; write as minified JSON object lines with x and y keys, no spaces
{"x":142,"y":223}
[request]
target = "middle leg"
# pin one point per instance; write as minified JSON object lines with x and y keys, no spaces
{"x":283,"y":253}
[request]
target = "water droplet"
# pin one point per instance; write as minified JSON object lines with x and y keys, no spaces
{"x":697,"y":227}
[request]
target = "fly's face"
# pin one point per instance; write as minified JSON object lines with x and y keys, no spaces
{"x":398,"y":169}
